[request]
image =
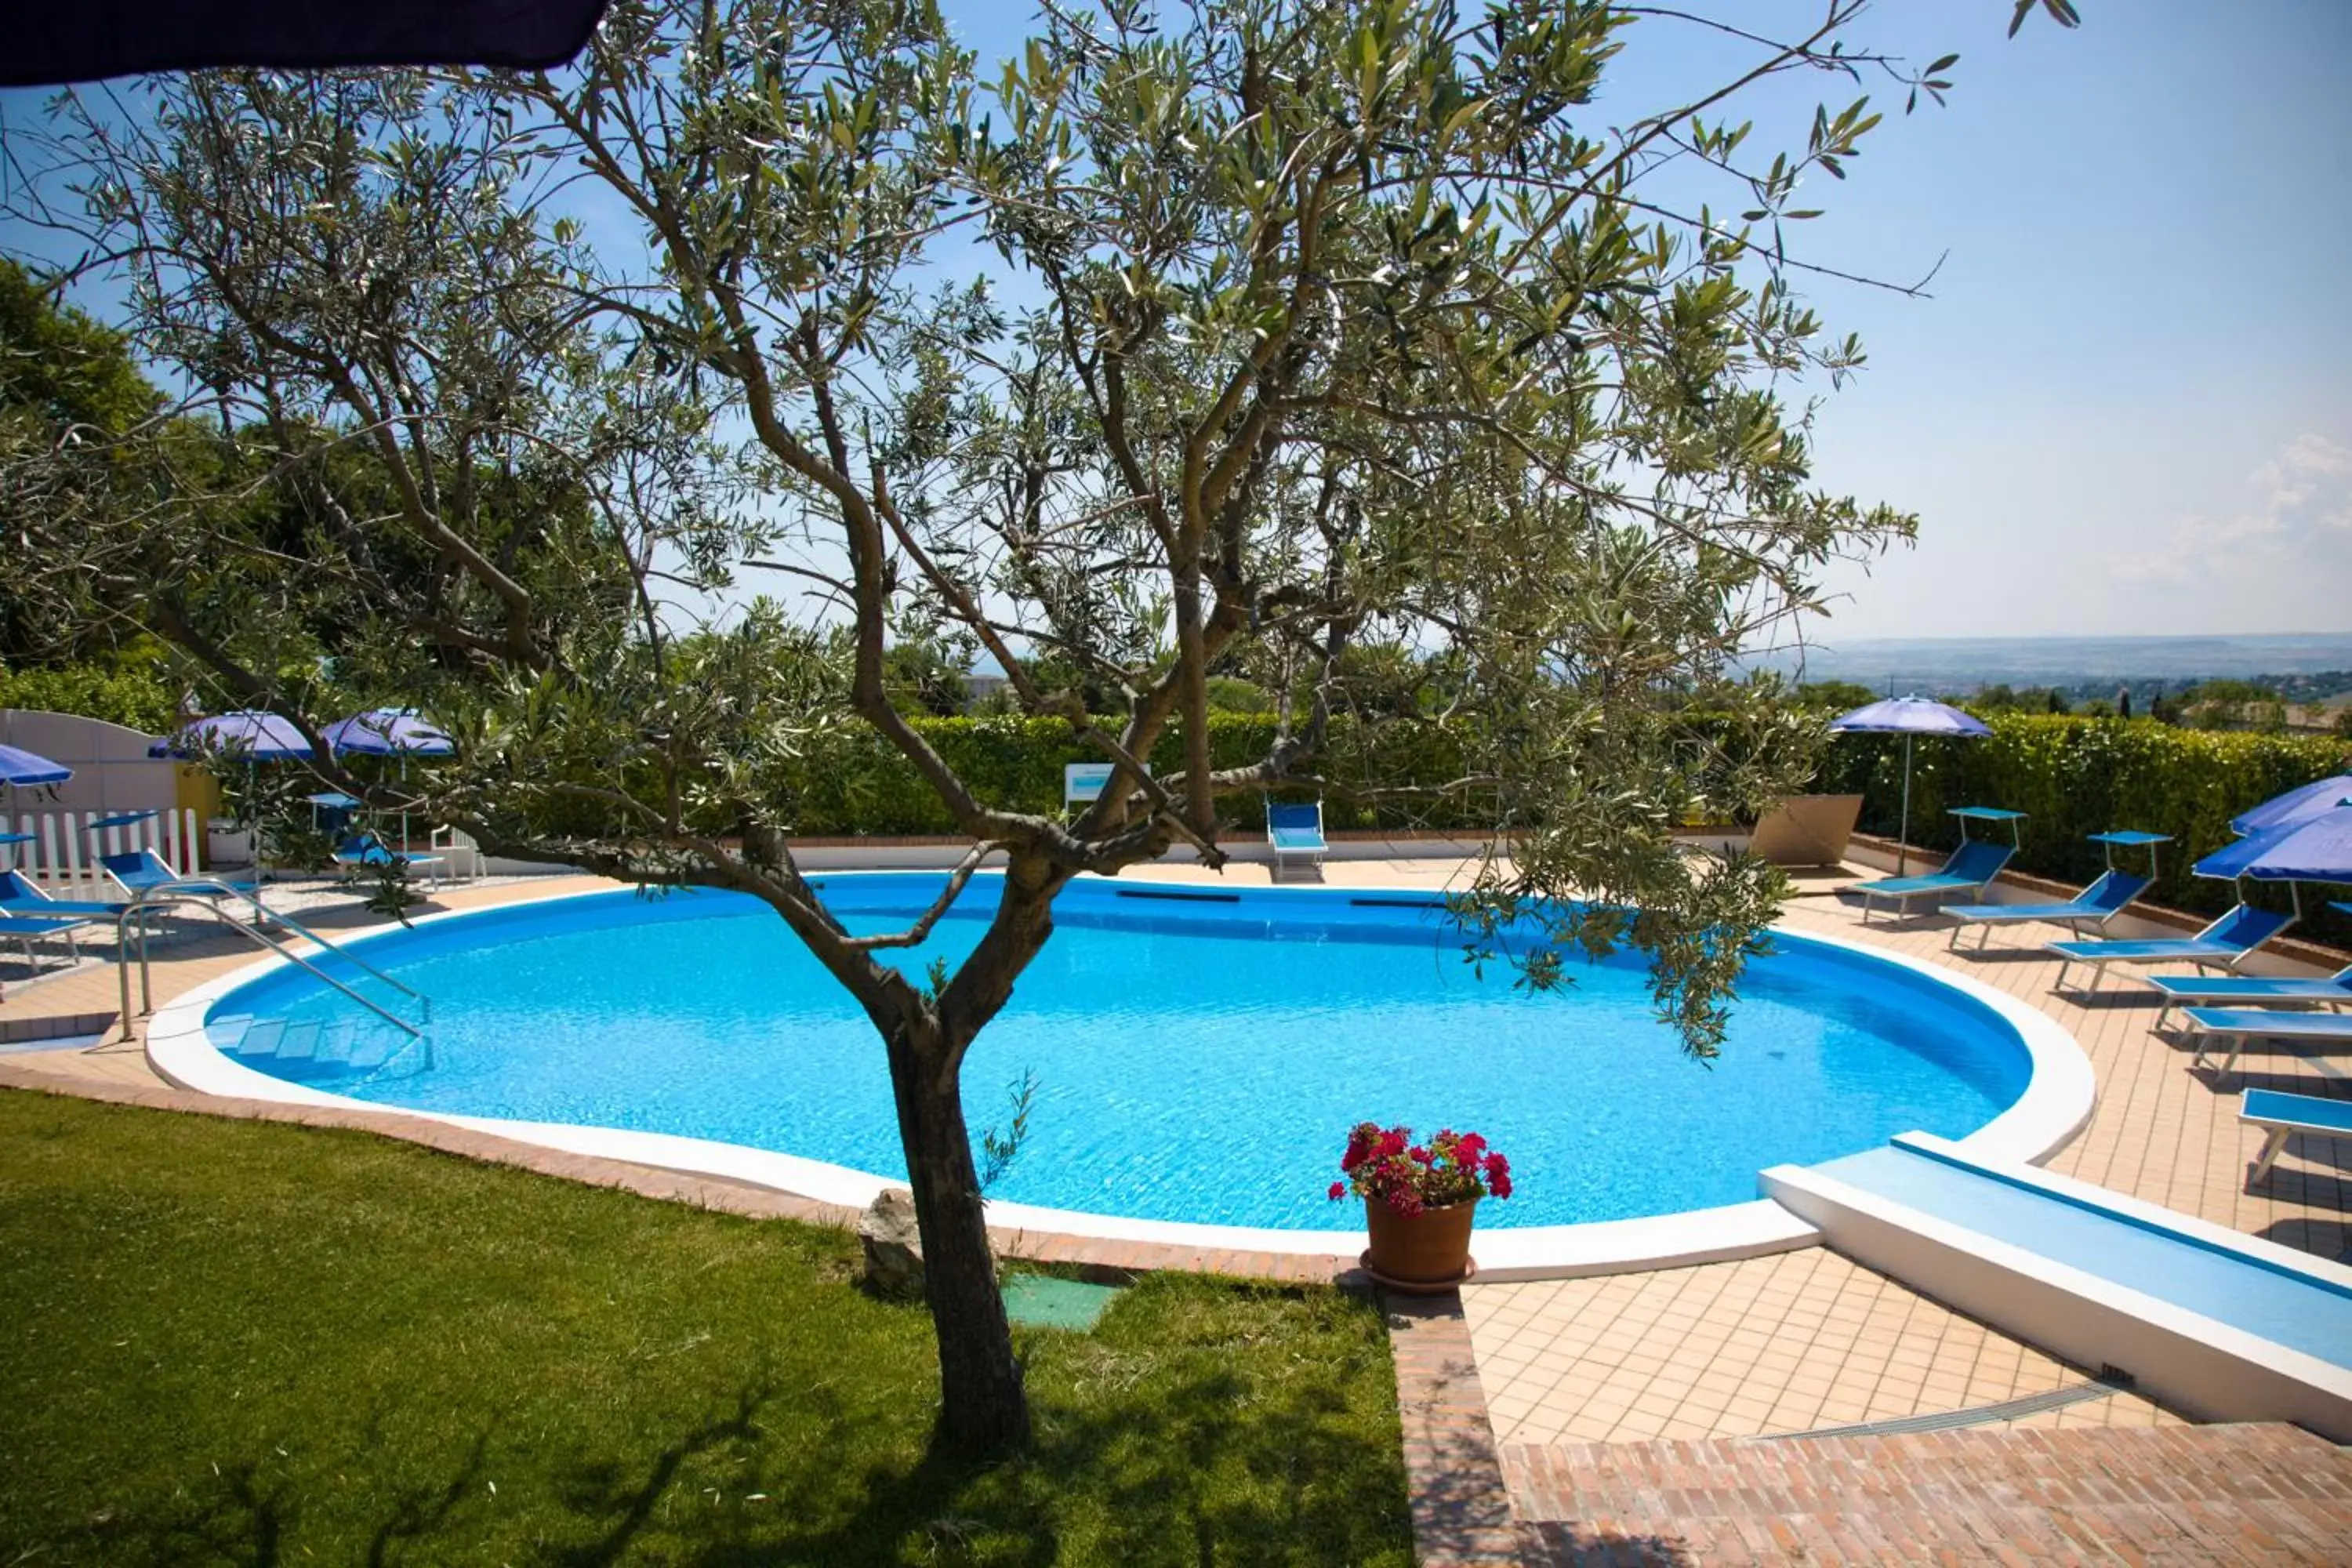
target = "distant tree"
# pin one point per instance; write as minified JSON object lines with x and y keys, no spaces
{"x":2122,"y":702}
{"x":923,"y":677}
{"x":2232,"y":704}
{"x":1836,"y":695}
{"x":2342,"y":725}
{"x":2054,"y":702}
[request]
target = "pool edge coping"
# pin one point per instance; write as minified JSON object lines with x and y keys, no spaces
{"x":2056,"y":1103}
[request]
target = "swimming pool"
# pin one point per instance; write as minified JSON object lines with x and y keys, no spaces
{"x":1199,"y":1053}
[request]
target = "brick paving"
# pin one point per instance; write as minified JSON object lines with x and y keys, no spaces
{"x":2231,"y":1494}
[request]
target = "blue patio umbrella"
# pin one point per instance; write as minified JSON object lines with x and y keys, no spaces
{"x":2315,"y":849}
{"x":389,"y":732}
{"x":1908,"y":716}
{"x":2295,"y":805}
{"x":18,"y":766}
{"x":249,"y":733}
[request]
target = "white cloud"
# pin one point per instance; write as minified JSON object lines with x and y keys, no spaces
{"x":2298,"y":517}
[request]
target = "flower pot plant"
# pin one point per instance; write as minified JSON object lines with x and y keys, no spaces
{"x":1419,"y":1201}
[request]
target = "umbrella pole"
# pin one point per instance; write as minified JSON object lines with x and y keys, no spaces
{"x":1903,"y":833}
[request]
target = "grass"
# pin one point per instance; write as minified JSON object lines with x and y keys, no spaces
{"x":240,"y":1342}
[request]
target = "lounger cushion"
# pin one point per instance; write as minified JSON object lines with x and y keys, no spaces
{"x":2276,"y":1108}
{"x":2283,"y":1026}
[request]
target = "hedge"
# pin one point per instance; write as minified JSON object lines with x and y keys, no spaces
{"x":2074,"y":776}
{"x":134,"y":698}
{"x":853,"y":781}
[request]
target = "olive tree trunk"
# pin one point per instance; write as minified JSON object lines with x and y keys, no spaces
{"x":983,"y":1406}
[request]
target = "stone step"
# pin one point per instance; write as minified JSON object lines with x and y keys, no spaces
{"x":299,"y":1042}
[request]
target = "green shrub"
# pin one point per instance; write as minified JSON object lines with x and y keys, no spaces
{"x":2074,"y":776}
{"x":133,"y":695}
{"x":854,"y":782}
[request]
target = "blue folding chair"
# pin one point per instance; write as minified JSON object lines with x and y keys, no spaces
{"x":1295,"y":831}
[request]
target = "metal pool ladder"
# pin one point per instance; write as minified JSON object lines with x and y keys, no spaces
{"x":133,"y":921}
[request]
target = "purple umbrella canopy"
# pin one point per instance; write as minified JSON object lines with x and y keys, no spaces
{"x":2295,"y":805}
{"x":1907,"y":717}
{"x":18,"y":766}
{"x":387,"y":732}
{"x":52,"y":44}
{"x":249,"y":733}
{"x":2316,"y":848}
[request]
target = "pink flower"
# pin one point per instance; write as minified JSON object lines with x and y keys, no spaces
{"x":1338,"y":1189}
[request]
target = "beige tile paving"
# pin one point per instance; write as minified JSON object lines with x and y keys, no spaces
{"x":1810,"y":1339}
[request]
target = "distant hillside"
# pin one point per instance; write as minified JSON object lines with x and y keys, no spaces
{"x":1960,"y":663}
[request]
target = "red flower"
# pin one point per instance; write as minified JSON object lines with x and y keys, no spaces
{"x":1385,"y":1164}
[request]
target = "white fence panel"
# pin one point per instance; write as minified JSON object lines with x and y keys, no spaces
{"x":64,"y":850}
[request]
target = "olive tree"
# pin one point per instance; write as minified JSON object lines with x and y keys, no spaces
{"x":1193,"y":340}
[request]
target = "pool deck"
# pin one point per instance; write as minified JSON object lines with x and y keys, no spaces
{"x":1618,"y":1419}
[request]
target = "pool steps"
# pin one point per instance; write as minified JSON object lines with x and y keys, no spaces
{"x":2216,"y":1324}
{"x":344,"y":1050}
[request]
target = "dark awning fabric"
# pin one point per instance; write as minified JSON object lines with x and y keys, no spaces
{"x":57,"y":41}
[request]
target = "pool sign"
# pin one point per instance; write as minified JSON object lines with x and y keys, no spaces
{"x":1083,"y":781}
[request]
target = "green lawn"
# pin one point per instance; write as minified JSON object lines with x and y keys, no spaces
{"x":225,"y":1342}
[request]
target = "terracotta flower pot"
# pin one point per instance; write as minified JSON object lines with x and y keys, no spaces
{"x":1431,"y":1247}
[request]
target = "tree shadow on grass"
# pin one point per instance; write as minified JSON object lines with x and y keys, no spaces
{"x":234,"y":1522}
{"x":418,"y":1515}
{"x":622,"y":1498}
{"x":1197,"y":1463}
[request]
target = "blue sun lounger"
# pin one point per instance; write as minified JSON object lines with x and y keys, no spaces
{"x":2239,"y":1025}
{"x":20,"y":895}
{"x":2283,"y":1115}
{"x":2094,"y":906}
{"x":2251,"y":990}
{"x":1295,"y":831}
{"x":142,"y":871}
{"x":1975,"y":863}
{"x":2225,"y":945}
{"x":361,"y":850}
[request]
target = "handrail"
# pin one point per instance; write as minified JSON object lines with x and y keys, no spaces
{"x":291,"y":923}
{"x":197,"y":884}
{"x":188,"y":893}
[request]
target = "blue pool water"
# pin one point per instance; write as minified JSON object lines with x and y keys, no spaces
{"x":1196,"y":1059}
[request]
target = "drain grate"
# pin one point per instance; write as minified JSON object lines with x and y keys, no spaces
{"x":1974,"y":1416}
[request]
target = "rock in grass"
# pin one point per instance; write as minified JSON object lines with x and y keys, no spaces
{"x":894,"y":1247}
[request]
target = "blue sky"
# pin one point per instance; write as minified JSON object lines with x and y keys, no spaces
{"x":2125,"y":409}
{"x":2128,"y":409}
